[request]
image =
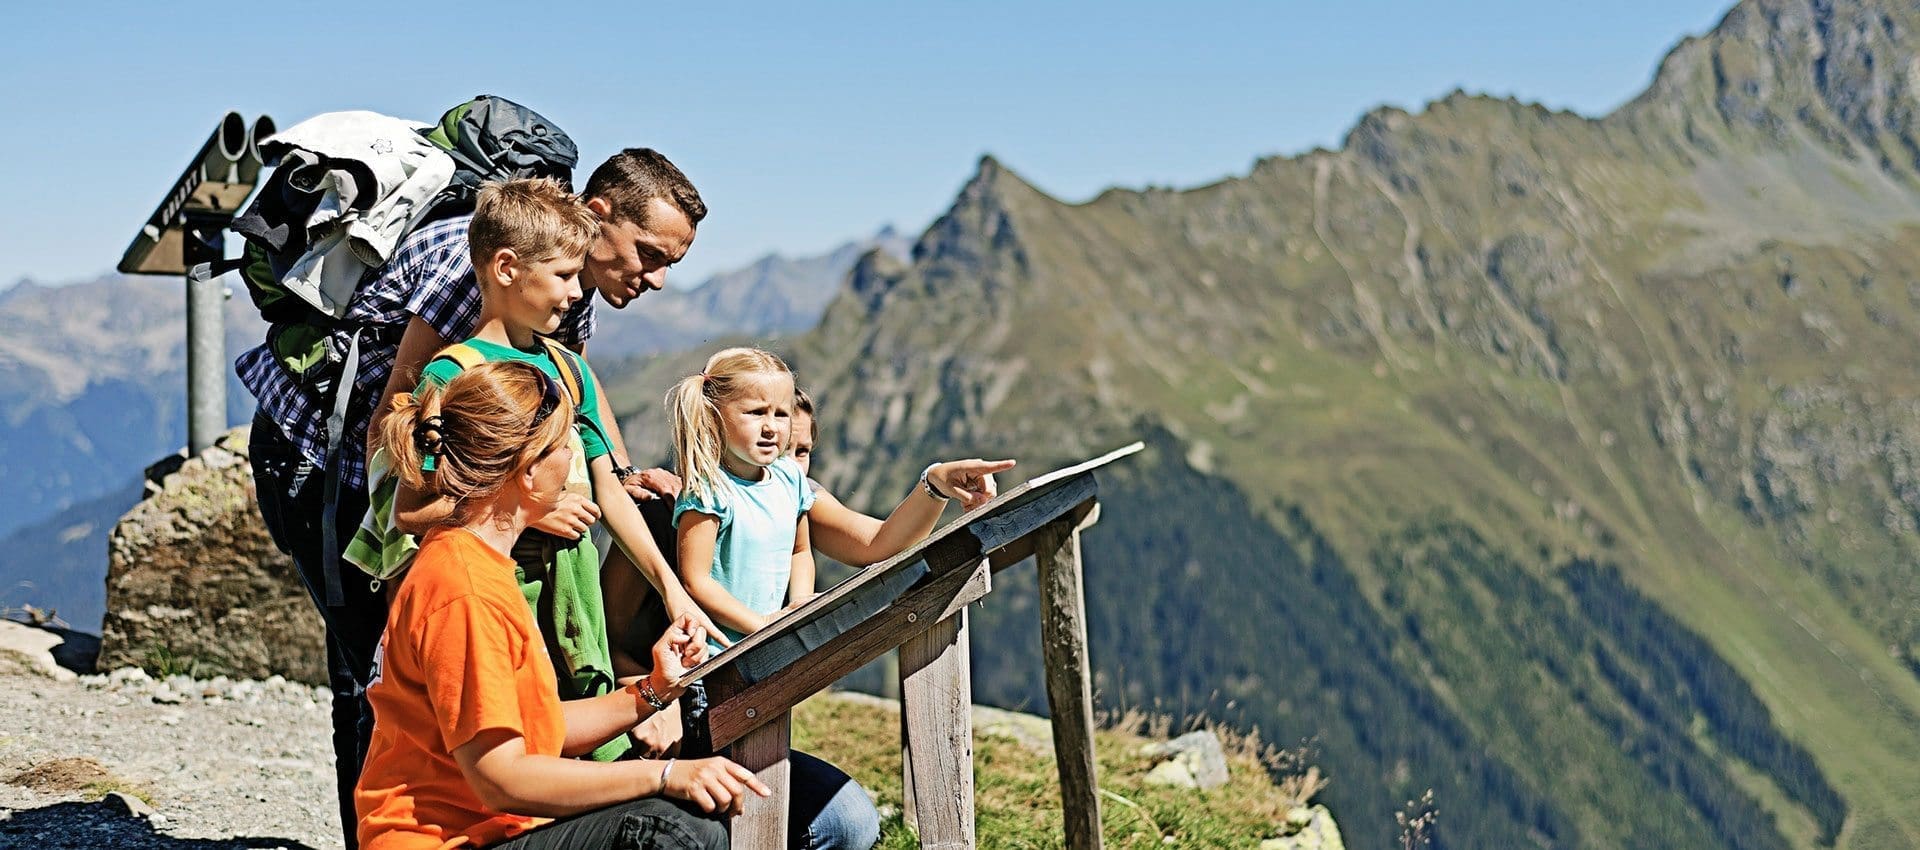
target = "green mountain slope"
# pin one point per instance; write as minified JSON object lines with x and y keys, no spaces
{"x":1564,"y":465}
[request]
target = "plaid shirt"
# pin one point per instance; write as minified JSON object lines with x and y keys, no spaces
{"x":431,"y":276}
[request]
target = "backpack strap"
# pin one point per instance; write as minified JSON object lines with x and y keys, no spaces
{"x":574,"y":375}
{"x":462,"y":355}
{"x":569,"y":369}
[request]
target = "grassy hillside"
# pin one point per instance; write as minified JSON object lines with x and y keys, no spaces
{"x":1018,"y":788}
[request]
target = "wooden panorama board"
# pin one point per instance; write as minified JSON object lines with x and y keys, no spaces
{"x":868,"y":592}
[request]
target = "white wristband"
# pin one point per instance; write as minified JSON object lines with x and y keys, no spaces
{"x":926,"y":483}
{"x":663,"y":775}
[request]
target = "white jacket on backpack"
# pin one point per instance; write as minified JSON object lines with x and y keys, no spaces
{"x":346,"y":235}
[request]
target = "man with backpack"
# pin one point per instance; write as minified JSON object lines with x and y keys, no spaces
{"x":309,"y":438}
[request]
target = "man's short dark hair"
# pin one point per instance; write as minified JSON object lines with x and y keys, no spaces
{"x":631,"y":178}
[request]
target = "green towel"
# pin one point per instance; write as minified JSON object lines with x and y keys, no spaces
{"x":561,"y":582}
{"x":377,"y":548}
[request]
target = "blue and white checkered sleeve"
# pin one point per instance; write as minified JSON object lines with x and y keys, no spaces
{"x":579,"y":324}
{"x":442,"y":290}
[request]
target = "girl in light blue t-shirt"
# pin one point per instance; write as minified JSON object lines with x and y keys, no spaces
{"x":741,"y":519}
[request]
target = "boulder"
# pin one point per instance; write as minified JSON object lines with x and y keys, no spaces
{"x":196,"y":585}
{"x":1193,"y":760}
{"x":33,"y":648}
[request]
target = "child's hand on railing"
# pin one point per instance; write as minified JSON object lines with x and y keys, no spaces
{"x":570,"y":518}
{"x":970,"y":481}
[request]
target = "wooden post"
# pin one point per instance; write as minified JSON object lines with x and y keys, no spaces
{"x":763,"y":822}
{"x":936,"y":707}
{"x":908,"y":812}
{"x":1063,"y":639}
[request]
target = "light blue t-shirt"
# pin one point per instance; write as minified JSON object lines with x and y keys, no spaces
{"x":753,"y":554}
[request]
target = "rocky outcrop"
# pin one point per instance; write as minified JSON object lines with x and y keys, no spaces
{"x":196,"y":585}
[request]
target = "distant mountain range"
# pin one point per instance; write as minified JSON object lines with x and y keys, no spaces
{"x":93,"y":389}
{"x":1567,"y":466}
{"x":774,"y":295}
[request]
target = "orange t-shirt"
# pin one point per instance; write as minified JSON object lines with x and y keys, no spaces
{"x":461,"y":655}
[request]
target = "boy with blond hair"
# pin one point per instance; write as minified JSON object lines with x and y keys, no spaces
{"x":529,"y":240}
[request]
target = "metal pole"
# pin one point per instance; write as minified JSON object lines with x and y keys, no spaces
{"x":206,"y":335}
{"x":206,"y":359}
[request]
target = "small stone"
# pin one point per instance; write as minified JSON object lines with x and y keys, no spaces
{"x":1298,"y":817}
{"x":166,"y":696}
{"x":1172,"y":773}
{"x":128,"y":675}
{"x":1318,"y":833}
{"x":123,"y":803}
{"x":157,"y":819}
{"x":1199,"y":753}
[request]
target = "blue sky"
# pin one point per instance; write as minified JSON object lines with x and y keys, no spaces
{"x":803,"y":124}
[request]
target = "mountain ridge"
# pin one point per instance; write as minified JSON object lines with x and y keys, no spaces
{"x":1653,"y":341}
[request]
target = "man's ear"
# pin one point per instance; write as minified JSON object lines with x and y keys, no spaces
{"x":600,"y":208}
{"x":505,"y":265}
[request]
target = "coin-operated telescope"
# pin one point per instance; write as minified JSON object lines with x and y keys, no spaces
{"x":183,"y":237}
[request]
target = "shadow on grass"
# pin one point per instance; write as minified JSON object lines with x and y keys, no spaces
{"x":106,"y":825}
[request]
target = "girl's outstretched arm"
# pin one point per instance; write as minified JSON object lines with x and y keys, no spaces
{"x":858,"y":540}
{"x":697,"y":535}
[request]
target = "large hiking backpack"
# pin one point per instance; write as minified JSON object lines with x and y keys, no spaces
{"x":485,"y":139}
{"x":492,"y":138}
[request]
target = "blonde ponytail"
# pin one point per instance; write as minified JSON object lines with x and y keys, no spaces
{"x":695,"y":421}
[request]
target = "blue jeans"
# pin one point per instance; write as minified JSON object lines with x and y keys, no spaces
{"x":828,"y":810}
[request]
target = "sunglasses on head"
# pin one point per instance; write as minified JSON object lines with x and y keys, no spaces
{"x":549,"y":398}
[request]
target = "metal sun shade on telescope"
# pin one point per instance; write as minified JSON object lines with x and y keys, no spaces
{"x":185,"y":232}
{"x":216,"y":183}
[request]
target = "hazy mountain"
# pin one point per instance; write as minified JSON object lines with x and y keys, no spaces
{"x":93,"y":387}
{"x":773,"y":295}
{"x":1568,"y":466}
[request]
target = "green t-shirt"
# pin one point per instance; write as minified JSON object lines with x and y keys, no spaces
{"x":440,"y":371}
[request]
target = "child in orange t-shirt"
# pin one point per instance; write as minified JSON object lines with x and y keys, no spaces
{"x":470,"y":738}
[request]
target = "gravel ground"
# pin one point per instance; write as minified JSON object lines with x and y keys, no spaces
{"x":222,"y":764}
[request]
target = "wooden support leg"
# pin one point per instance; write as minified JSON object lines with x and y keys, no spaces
{"x":1063,"y":638}
{"x":936,"y":705}
{"x":907,"y":811}
{"x":763,"y":823}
